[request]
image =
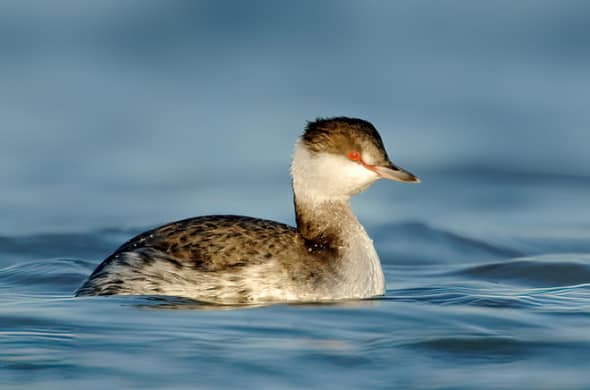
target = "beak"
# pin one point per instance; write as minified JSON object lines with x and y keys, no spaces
{"x":393,"y":172}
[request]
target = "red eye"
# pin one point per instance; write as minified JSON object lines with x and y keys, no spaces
{"x":354,"y":155}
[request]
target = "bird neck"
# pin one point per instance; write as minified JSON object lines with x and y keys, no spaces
{"x":332,"y":232}
{"x":324,"y":220}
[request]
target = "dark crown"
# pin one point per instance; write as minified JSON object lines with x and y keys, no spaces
{"x":341,"y":135}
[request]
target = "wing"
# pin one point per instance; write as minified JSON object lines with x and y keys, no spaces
{"x":214,"y":243}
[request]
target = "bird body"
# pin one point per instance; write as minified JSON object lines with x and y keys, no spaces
{"x":238,"y":260}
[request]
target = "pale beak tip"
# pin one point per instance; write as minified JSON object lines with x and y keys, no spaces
{"x":395,"y":173}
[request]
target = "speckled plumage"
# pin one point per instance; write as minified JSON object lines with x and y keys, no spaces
{"x":234,"y":259}
{"x":220,"y":247}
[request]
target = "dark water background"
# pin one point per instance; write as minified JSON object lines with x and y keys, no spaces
{"x":118,"y":116}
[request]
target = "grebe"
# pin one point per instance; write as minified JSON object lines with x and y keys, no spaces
{"x":228,"y":259}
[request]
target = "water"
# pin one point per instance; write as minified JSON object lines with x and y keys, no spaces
{"x":504,"y":309}
{"x":116,"y":118}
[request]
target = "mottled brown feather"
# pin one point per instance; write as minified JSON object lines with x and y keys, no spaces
{"x":220,"y":243}
{"x":223,"y":247}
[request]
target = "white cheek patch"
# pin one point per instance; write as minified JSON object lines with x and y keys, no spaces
{"x":328,"y":175}
{"x":339,"y":169}
{"x":368,"y":159}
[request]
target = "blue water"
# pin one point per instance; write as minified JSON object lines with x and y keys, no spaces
{"x":506,"y":309}
{"x":117,"y":117}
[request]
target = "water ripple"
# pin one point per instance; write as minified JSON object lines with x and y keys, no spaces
{"x":420,"y":243}
{"x":538,"y":271}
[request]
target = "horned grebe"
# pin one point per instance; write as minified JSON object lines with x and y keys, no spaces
{"x":230,"y":259}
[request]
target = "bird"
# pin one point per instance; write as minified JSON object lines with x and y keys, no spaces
{"x":235,"y":260}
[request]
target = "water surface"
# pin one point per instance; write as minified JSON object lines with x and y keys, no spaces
{"x":503,"y":309}
{"x":119,"y":116}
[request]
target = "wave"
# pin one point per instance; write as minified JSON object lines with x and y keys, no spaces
{"x":539,"y":271}
{"x":77,"y":245}
{"x":485,"y":348}
{"x":559,"y":300}
{"x":419,"y":243}
{"x":45,"y":276}
{"x":457,"y":295}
